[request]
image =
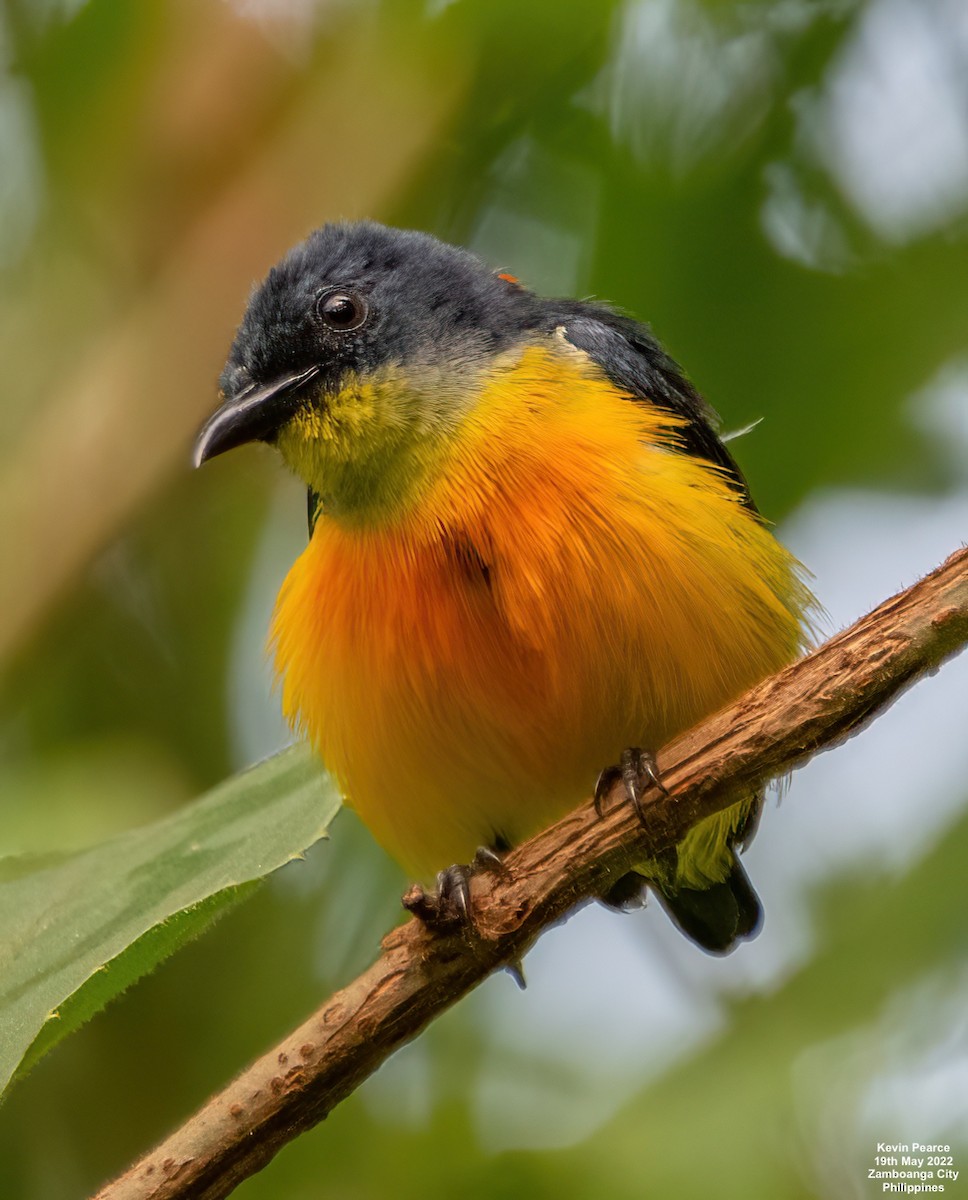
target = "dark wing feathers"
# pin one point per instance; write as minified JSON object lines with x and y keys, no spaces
{"x":635,"y":362}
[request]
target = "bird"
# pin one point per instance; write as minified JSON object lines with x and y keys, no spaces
{"x":531,"y":556}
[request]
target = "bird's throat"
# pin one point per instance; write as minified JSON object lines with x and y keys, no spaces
{"x":373,"y":449}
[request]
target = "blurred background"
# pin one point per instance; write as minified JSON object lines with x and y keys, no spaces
{"x":781,"y":189}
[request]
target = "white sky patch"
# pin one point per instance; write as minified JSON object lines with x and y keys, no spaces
{"x":894,"y":132}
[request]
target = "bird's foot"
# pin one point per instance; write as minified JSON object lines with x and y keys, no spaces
{"x":447,"y":908}
{"x":638,"y":771}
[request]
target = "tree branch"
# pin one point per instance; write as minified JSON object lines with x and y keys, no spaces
{"x":812,"y":705}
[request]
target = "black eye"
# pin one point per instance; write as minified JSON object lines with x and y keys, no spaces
{"x":341,"y":310}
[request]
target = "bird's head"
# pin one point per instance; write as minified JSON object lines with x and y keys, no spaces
{"x":357,"y":357}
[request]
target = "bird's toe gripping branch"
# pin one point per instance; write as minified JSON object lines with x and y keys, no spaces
{"x":448,"y":909}
{"x":638,"y":770}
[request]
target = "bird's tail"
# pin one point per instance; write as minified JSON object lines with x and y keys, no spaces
{"x":715,"y":917}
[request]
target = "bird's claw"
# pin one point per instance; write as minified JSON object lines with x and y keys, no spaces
{"x":638,"y":770}
{"x":447,"y":909}
{"x":448,"y":906}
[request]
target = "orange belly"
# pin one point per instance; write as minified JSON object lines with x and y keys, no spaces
{"x":567,"y":585}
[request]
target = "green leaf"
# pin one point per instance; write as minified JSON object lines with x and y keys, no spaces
{"x":76,"y":930}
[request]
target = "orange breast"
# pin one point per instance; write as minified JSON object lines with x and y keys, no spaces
{"x":569,"y":584}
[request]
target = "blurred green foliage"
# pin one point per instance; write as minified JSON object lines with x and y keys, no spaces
{"x":703,"y":166}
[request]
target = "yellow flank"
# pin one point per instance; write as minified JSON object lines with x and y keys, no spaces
{"x":551,"y":584}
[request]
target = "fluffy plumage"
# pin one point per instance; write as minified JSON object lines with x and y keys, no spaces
{"x":530,"y":551}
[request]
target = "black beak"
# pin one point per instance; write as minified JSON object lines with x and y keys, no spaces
{"x":250,"y":416}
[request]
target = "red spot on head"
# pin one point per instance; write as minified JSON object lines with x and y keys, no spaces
{"x":512,"y":279}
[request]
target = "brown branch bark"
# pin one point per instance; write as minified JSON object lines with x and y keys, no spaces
{"x":813,"y":705}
